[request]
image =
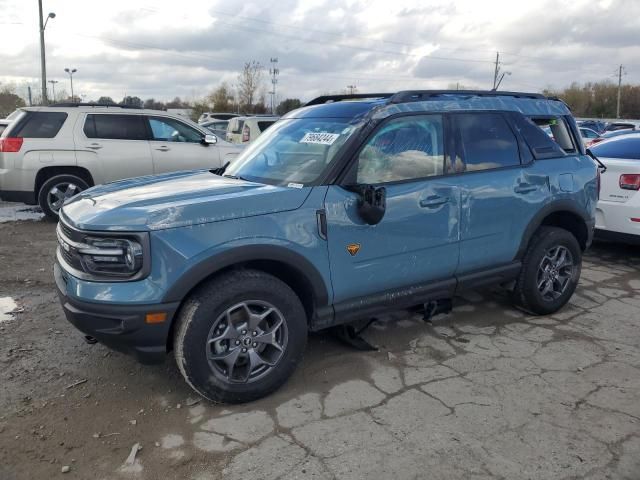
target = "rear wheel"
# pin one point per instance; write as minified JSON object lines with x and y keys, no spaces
{"x":550,"y":271}
{"x":56,"y":190}
{"x":240,"y":336}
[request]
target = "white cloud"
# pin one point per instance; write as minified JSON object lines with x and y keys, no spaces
{"x":167,"y":48}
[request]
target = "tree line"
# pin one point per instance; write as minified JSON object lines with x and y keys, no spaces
{"x":599,"y":99}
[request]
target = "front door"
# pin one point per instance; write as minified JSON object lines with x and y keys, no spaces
{"x":416,"y":242}
{"x":178,"y":146}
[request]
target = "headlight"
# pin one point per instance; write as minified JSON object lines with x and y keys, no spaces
{"x":102,"y":256}
{"x":111,"y":256}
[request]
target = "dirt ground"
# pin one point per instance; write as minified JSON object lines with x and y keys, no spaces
{"x":485,"y":392}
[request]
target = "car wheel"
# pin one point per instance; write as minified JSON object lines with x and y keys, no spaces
{"x":56,"y":190}
{"x":550,"y":271}
{"x":240,"y":336}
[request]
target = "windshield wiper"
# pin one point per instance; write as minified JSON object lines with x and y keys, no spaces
{"x":220,"y":170}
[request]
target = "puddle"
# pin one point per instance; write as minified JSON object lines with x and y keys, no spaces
{"x":7,"y":306}
{"x":13,"y":212}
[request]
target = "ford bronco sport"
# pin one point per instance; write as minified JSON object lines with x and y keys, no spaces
{"x":345,"y":208}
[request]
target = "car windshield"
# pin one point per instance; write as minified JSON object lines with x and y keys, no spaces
{"x":293,"y":150}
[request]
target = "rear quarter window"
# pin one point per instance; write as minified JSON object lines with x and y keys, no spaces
{"x":622,"y":147}
{"x":115,"y":127}
{"x":264,"y":125}
{"x":40,"y":125}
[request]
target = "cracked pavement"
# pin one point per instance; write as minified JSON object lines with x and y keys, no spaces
{"x":486,"y":392}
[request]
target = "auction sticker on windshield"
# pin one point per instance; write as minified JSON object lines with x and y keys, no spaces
{"x":321,"y":138}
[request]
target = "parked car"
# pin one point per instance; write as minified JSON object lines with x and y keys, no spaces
{"x":247,"y":129}
{"x":613,"y":126}
{"x":588,"y":135}
{"x":618,"y":212}
{"x":341,"y":211}
{"x":608,"y":135}
{"x":209,"y":116}
{"x":595,"y":125}
{"x":4,"y":123}
{"x":48,"y":154}
{"x":217,"y":127}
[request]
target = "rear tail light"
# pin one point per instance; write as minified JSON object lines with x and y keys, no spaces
{"x":594,"y":141}
{"x":630,"y":181}
{"x":245,"y":133}
{"x":10,"y":144}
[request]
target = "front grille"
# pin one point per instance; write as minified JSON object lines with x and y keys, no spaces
{"x":68,"y":252}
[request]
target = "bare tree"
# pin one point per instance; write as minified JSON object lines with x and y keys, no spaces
{"x":249,"y":83}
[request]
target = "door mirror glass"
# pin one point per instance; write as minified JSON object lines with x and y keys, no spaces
{"x":210,"y":139}
{"x":372,"y":202}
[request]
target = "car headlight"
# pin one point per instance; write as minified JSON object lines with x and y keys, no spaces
{"x":103,"y":256}
{"x":111,"y":256}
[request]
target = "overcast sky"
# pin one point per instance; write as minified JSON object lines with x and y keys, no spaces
{"x":164,"y":49}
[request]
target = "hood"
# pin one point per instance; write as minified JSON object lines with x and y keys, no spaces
{"x":174,"y":200}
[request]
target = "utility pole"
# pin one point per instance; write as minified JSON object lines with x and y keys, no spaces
{"x":53,"y":89}
{"x":620,"y":73}
{"x":43,"y":62}
{"x":29,"y":92}
{"x":351,"y":88}
{"x":496,"y":70}
{"x":274,"y":72}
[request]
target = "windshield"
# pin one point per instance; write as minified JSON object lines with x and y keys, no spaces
{"x":295,"y":150}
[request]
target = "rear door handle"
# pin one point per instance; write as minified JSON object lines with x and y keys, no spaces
{"x":433,"y":201}
{"x":94,"y":146}
{"x":163,"y":148}
{"x":525,"y":188}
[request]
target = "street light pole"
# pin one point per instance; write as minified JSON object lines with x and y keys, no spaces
{"x":71,"y":72}
{"x":43,"y":63}
{"x":53,"y":88}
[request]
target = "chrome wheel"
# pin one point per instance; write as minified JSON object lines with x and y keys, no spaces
{"x":246,"y":341}
{"x":60,"y":193}
{"x":555,"y":272}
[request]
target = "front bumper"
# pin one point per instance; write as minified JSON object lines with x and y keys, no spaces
{"x":119,"y":326}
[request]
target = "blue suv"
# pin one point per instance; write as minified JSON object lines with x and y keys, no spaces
{"x":345,"y":208}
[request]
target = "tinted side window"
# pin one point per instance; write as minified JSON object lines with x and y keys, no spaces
{"x":115,"y":127}
{"x":621,"y":147}
{"x":403,"y":149}
{"x":264,"y":125}
{"x":41,"y":125}
{"x":541,"y":144}
{"x":486,"y":142}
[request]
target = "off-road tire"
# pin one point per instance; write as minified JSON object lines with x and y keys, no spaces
{"x":526,"y":292}
{"x":212,"y":299}
{"x":43,"y":193}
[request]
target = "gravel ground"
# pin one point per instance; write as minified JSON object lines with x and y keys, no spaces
{"x":485,"y":392}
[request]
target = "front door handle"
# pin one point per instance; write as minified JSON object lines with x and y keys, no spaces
{"x":525,"y":188}
{"x":94,"y":146}
{"x":433,"y":201}
{"x":163,"y":148}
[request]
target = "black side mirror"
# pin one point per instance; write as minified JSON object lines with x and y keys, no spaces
{"x":372,"y":203}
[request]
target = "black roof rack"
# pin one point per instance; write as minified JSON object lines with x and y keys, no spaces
{"x":421,"y":95}
{"x":93,"y":104}
{"x":340,"y":98}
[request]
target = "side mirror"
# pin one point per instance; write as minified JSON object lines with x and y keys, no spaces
{"x":372,"y":203}
{"x":209,"y":139}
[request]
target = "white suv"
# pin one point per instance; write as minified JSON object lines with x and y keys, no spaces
{"x":48,"y":154}
{"x":247,"y":129}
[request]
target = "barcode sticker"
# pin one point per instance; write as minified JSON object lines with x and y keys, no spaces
{"x":321,"y":138}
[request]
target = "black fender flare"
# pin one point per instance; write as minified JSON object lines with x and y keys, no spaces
{"x":238,"y":255}
{"x":554,"y":207}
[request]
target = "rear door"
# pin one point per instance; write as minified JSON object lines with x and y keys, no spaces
{"x":113,"y":146}
{"x":178,"y":146}
{"x":500,"y":195}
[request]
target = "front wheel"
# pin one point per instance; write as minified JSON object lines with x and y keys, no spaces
{"x":240,"y":336}
{"x":56,"y":190}
{"x":550,"y":271}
